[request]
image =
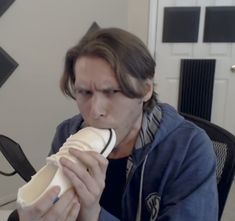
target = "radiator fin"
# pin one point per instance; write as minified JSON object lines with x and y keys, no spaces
{"x":196,"y":87}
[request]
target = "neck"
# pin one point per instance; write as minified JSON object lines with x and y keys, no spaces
{"x":125,"y":147}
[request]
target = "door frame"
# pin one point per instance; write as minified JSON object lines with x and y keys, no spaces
{"x":152,"y":27}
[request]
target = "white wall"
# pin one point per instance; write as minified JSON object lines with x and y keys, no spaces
{"x":138,"y":11}
{"x":37,"y":35}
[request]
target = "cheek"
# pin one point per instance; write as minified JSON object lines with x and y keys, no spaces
{"x":82,"y":107}
{"x":129,"y":111}
{"x":127,"y":118}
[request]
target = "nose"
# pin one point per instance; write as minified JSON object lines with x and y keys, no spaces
{"x":97,"y":107}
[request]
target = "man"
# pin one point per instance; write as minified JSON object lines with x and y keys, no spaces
{"x":162,"y":168}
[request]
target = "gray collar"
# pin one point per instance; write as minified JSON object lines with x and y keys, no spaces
{"x":150,"y":126}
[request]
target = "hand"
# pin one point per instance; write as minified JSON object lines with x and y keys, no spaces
{"x":88,"y":181}
{"x":65,"y":209}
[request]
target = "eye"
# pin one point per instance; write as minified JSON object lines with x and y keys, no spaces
{"x":83,"y":92}
{"x":111,"y":92}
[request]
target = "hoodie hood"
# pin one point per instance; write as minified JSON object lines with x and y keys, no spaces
{"x":170,"y":120}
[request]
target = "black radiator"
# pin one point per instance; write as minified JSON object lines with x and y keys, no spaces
{"x":196,"y":87}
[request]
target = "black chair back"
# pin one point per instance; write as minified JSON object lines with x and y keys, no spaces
{"x":16,"y":157}
{"x":224,"y":147}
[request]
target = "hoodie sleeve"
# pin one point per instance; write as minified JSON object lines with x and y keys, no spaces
{"x":63,"y":131}
{"x":192,"y":193}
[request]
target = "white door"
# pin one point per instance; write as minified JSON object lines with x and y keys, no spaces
{"x":168,"y":56}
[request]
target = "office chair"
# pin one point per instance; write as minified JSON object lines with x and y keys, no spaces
{"x":16,"y":157}
{"x":224,"y":147}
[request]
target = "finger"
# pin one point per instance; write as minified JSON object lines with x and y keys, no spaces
{"x":102,"y":161}
{"x":57,"y":210}
{"x":76,"y":181}
{"x":80,"y":178}
{"x":71,"y":211}
{"x":73,"y":214}
{"x":45,"y":203}
{"x":86,"y":196}
{"x":78,"y":170}
{"x":95,"y":162}
{"x":88,"y":185}
{"x":81,"y":155}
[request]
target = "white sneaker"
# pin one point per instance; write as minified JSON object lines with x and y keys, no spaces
{"x":86,"y":139}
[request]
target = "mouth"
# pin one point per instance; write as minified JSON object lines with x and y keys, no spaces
{"x":98,"y":125}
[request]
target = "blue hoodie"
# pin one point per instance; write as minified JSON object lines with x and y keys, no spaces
{"x":172,"y":178}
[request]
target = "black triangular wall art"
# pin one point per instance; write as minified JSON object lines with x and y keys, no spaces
{"x":4,"y":5}
{"x":7,"y":66}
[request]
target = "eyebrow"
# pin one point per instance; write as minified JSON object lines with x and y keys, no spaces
{"x":104,"y":88}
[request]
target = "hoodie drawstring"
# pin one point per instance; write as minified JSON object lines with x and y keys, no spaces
{"x":138,"y":214}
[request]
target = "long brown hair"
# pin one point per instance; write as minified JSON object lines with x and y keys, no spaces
{"x":127,"y":55}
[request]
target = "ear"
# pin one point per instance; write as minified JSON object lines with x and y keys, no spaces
{"x":148,"y":90}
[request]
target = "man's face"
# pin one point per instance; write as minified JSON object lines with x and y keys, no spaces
{"x":101,"y":101}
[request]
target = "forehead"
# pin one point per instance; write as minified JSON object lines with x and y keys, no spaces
{"x":94,"y":70}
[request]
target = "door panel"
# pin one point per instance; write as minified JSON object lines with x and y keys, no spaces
{"x":168,"y":56}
